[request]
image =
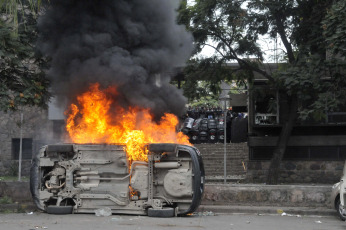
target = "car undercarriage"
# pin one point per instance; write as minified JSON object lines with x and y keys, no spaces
{"x":81,"y":178}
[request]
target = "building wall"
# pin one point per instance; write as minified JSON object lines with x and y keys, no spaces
{"x":320,"y":172}
{"x":36,"y":126}
{"x":39,"y":128}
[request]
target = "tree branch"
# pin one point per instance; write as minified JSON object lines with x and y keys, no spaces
{"x":287,"y":44}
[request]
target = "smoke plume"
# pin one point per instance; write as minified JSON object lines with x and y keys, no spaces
{"x":126,"y":43}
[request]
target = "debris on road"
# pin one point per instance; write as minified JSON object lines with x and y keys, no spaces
{"x":206,"y":213}
{"x":280,"y":211}
{"x":318,"y":222}
{"x":103,"y":212}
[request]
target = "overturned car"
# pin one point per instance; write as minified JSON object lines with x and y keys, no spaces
{"x":81,"y":178}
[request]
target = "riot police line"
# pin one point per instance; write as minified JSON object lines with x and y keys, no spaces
{"x":208,"y":126}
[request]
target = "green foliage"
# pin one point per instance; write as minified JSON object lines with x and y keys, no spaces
{"x":13,"y":169}
{"x":223,"y":23}
{"x":15,"y":9}
{"x":319,"y":84}
{"x":195,"y":89}
{"x":307,"y":29}
{"x":13,"y":178}
{"x":208,"y":101}
{"x":6,"y":200}
{"x":22,"y":82}
{"x":334,"y":28}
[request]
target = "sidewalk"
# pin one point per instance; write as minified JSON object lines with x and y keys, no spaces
{"x":267,"y":210}
{"x":222,"y":198}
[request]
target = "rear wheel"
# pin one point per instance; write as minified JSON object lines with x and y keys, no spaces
{"x":164,"y":212}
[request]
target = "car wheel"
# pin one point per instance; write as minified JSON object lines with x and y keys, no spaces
{"x":59,"y":210}
{"x":164,"y":212}
{"x":339,"y":210}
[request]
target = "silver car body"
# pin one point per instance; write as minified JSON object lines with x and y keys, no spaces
{"x":338,"y":196}
{"x":87,"y":177}
{"x":343,"y":192}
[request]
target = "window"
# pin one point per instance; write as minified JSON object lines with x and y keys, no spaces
{"x":266,"y":106}
{"x":26,"y":148}
{"x":261,"y":153}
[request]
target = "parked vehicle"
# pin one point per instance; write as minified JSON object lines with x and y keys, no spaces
{"x":338,"y":196}
{"x":81,"y":178}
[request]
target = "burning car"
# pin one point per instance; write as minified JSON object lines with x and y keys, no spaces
{"x":81,"y":178}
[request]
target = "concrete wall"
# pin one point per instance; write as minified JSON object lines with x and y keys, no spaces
{"x":17,"y":191}
{"x":323,"y":172}
{"x":240,"y":168}
{"x":229,"y":194}
{"x":269,"y":195}
{"x":35,"y":125}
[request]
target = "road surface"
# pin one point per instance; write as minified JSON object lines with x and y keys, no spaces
{"x":23,"y":221}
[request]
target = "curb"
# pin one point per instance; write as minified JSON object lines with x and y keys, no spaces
{"x":296,"y":211}
{"x":17,"y":208}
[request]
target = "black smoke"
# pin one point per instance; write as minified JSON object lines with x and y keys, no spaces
{"x":126,"y":43}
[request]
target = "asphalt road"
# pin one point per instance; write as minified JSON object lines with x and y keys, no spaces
{"x":201,"y":221}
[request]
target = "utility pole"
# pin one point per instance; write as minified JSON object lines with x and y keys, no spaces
{"x":225,"y":145}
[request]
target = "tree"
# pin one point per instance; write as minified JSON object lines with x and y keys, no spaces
{"x":22,"y":82}
{"x":233,"y":29}
{"x":334,"y":28}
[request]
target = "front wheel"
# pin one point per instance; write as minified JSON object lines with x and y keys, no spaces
{"x":59,"y":210}
{"x":339,"y":209}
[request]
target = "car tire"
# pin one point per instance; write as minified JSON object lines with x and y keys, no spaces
{"x":164,"y":212}
{"x":339,"y":210}
{"x":35,"y":181}
{"x":59,"y":210}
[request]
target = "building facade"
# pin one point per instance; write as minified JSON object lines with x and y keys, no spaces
{"x":33,"y":126}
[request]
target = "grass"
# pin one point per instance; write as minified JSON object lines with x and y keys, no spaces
{"x":13,"y":178}
{"x":6,"y":200}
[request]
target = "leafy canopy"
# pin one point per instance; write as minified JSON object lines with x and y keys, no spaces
{"x":307,"y":30}
{"x":22,"y":82}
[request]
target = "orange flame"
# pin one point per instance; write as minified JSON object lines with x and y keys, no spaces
{"x":92,"y":122}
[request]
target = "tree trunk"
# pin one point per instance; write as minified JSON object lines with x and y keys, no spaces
{"x":279,"y":151}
